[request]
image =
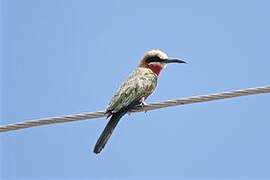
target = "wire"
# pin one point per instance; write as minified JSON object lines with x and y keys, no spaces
{"x":164,"y":104}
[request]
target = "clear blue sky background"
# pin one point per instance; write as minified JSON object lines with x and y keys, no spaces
{"x":62,"y":57}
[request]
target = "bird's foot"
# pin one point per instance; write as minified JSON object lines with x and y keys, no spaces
{"x":142,"y":106}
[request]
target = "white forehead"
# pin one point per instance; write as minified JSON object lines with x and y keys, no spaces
{"x":157,"y":52}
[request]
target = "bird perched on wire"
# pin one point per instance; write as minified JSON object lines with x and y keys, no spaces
{"x":133,"y":92}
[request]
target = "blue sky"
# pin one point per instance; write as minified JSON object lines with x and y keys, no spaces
{"x":63,"y":57}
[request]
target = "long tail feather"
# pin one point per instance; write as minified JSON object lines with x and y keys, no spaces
{"x":107,"y":132}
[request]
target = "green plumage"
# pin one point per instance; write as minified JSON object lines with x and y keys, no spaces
{"x":139,"y":85}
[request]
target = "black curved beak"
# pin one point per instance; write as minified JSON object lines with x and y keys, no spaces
{"x":173,"y":61}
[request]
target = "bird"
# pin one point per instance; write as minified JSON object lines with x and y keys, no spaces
{"x":140,"y":84}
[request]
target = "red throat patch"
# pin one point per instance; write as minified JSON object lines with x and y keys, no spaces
{"x":156,"y":68}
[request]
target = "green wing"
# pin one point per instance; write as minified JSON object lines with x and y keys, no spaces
{"x":140,"y":84}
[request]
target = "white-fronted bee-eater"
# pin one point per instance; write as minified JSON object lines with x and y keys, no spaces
{"x":139,"y":85}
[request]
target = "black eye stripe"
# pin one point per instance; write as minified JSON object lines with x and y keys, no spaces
{"x":153,"y":59}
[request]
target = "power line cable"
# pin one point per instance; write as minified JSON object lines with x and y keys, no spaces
{"x":149,"y":107}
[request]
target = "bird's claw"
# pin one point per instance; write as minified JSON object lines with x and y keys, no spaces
{"x":142,"y":106}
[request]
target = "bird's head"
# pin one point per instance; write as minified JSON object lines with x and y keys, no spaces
{"x":156,"y":60}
